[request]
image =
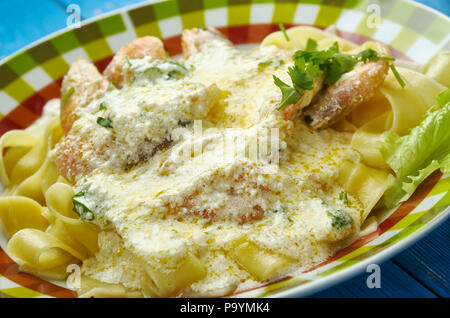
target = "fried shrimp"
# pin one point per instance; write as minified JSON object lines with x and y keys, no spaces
{"x":192,"y":40}
{"x":82,"y":84}
{"x":139,"y":48}
{"x":341,"y":98}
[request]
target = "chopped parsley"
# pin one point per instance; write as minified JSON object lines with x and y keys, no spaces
{"x":105,"y":122}
{"x":128,"y":61}
{"x":282,"y":28}
{"x":101,"y":107}
{"x":339,"y":219}
{"x":111,"y":86}
{"x":177,"y":64}
{"x":343,"y":197}
{"x":331,"y":64}
{"x":311,"y":45}
{"x":174,"y":74}
{"x":80,"y":208}
{"x":397,"y":76}
{"x":262,"y":65}
{"x":67,"y":95}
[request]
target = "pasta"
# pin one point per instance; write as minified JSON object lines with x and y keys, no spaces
{"x":117,"y":190}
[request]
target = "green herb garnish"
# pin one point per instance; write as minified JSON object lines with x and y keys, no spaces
{"x":101,"y":107}
{"x":289,"y":94}
{"x":397,"y":76}
{"x":177,"y":64}
{"x":105,"y":122}
{"x":67,"y":95}
{"x":111,"y":86}
{"x":331,"y":64}
{"x":311,"y":45}
{"x":262,"y":65}
{"x":281,"y":26}
{"x":128,"y":61}
{"x":81,"y":209}
{"x":343,"y":197}
{"x":339,"y":219}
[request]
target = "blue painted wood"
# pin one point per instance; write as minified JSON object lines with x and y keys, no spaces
{"x":25,"y":21}
{"x":421,"y":271}
{"x":395,"y":282}
{"x":428,"y":260}
{"x":440,"y":5}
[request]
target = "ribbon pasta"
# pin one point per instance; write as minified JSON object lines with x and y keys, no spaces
{"x":393,"y":108}
{"x":45,"y":235}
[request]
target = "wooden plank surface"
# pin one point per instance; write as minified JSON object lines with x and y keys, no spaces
{"x":395,"y":282}
{"x":428,"y":260}
{"x":424,"y":266}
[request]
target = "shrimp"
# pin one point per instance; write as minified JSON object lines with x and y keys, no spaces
{"x":69,"y":158}
{"x":195,"y":204}
{"x":290,"y":111}
{"x":82,"y":84}
{"x":341,"y":98}
{"x":139,"y":48}
{"x":193,"y":40}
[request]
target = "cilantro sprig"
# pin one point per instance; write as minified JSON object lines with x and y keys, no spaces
{"x":343,"y":197}
{"x":340,"y":219}
{"x":331,"y":64}
{"x":80,"y":208}
{"x":105,"y":122}
{"x":67,"y":95}
{"x":283,"y":29}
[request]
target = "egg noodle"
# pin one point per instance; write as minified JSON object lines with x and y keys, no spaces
{"x":159,"y":225}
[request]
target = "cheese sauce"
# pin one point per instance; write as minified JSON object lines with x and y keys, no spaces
{"x":169,"y":181}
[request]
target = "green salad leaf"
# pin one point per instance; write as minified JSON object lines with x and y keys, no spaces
{"x":415,"y":156}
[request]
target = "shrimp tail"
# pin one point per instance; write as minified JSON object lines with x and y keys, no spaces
{"x":82,"y":84}
{"x":138,"y":48}
{"x":194,"y":39}
{"x":341,"y":98}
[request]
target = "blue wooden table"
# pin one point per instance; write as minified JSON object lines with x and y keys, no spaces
{"x":420,"y":271}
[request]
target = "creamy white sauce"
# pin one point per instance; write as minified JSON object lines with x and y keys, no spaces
{"x":165,"y":205}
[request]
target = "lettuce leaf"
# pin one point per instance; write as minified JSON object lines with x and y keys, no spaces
{"x":415,"y":156}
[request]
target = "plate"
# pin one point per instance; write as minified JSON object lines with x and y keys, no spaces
{"x":33,"y":76}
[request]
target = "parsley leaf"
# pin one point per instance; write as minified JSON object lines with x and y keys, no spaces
{"x":397,"y":76}
{"x":339,"y":219}
{"x":289,"y":94}
{"x":67,"y":95}
{"x":311,"y":45}
{"x":80,"y":208}
{"x":281,"y":26}
{"x":101,"y":107}
{"x":128,"y":61}
{"x":111,"y":86}
{"x":330,"y":63}
{"x":343,"y":197}
{"x":105,"y":122}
